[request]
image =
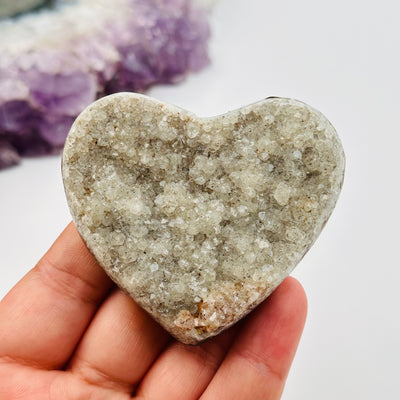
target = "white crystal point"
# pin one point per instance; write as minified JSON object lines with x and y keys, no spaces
{"x":200,"y":219}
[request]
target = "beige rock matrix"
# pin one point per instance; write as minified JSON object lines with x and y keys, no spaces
{"x":200,"y":219}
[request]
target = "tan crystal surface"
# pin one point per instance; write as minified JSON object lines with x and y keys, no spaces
{"x":199,"y":219}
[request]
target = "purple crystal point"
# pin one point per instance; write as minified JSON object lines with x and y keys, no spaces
{"x":53,"y":64}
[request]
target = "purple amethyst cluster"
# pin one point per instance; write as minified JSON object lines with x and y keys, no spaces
{"x":56,"y":62}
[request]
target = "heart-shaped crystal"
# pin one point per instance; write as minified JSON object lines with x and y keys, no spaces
{"x":200,"y":219}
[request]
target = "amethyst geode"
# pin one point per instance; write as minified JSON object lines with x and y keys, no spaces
{"x":53,"y":63}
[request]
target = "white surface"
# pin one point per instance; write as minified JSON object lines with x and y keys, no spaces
{"x":342,"y":57}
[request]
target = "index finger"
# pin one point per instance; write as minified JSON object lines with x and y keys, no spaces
{"x":44,"y":316}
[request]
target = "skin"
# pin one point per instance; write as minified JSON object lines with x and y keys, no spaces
{"x":67,"y":333}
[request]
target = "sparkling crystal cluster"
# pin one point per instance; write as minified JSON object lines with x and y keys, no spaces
{"x":200,"y":219}
{"x":55,"y":62}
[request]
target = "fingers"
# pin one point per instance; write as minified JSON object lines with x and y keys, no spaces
{"x":272,"y":332}
{"x":257,"y":365}
{"x":45,"y":314}
{"x":182,"y":371}
{"x":119,"y":346}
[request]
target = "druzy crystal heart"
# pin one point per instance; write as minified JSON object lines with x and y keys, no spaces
{"x":200,"y":219}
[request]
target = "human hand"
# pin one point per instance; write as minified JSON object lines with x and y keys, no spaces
{"x":67,"y":333}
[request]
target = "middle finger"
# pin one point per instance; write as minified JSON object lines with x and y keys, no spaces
{"x":119,"y":346}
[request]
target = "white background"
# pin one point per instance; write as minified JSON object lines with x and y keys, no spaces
{"x":342,"y":57}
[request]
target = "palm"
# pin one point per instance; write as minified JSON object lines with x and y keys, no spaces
{"x":67,"y":334}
